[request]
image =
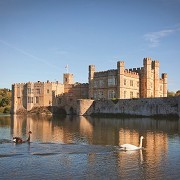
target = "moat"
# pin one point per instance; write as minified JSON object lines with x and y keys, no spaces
{"x":77,"y":147}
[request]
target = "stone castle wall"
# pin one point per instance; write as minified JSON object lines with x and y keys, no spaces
{"x":142,"y":107}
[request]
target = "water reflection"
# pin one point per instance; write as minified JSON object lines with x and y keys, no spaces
{"x":86,"y":130}
{"x":104,"y":131}
{"x":91,"y":145}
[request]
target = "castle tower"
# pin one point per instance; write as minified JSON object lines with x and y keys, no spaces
{"x":155,"y":66}
{"x":164,"y":77}
{"x":68,"y":78}
{"x":14,"y":99}
{"x":147,"y":77}
{"x":29,"y":96}
{"x":120,"y":79}
{"x":92,"y":70}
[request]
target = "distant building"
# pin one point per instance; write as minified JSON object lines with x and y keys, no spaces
{"x":124,"y":83}
{"x":118,"y":83}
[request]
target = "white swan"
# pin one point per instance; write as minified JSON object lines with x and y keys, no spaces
{"x":130,"y":147}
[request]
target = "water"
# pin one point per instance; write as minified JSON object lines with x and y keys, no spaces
{"x":88,"y":148}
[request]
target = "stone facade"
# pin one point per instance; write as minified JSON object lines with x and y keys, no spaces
{"x":124,"y":83}
{"x":26,"y":96}
{"x":169,"y":106}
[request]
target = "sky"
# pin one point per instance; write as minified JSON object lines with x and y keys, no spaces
{"x":38,"y":38}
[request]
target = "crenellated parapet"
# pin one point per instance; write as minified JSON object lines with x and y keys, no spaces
{"x":120,"y":64}
{"x":147,"y":61}
{"x":18,"y":84}
{"x":155,"y":64}
{"x":77,"y":84}
{"x":105,"y":73}
{"x":164,"y":75}
{"x":130,"y":73}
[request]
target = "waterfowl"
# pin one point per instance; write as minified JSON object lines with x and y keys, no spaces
{"x":19,"y":140}
{"x":130,"y":147}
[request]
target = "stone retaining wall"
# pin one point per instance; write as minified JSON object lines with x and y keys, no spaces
{"x":141,"y":107}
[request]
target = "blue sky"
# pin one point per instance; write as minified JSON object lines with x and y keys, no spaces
{"x":39,"y":37}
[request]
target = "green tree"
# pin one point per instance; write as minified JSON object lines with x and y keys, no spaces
{"x":177,"y":93}
{"x":5,"y":100}
{"x":170,"y":94}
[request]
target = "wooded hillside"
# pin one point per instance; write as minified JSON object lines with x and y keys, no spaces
{"x":5,"y":100}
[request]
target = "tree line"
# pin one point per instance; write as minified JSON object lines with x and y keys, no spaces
{"x":171,"y":93}
{"x":5,"y":100}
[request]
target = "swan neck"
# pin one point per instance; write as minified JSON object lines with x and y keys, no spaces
{"x":140,"y":145}
{"x":28,"y":137}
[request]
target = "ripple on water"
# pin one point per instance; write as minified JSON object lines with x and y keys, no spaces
{"x":9,"y":155}
{"x":2,"y":141}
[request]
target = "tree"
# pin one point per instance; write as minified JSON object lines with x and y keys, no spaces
{"x":177,"y":93}
{"x":170,"y":94}
{"x":5,"y":100}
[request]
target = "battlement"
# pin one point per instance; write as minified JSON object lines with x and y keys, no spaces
{"x":92,"y":67}
{"x":120,"y":64}
{"x":155,"y":64}
{"x":18,"y":84}
{"x":105,"y":73}
{"x":131,"y":73}
{"x":35,"y":83}
{"x":164,"y":75}
{"x":81,"y":84}
{"x":137,"y":70}
{"x":147,"y":61}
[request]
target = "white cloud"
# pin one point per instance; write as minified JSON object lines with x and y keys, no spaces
{"x":154,"y":37}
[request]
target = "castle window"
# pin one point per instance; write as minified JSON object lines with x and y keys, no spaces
{"x":38,"y":91}
{"x":124,"y":94}
{"x":125,"y":82}
{"x":101,"y":83}
{"x":131,"y":94}
{"x":131,"y":82}
{"x":111,"y":94}
{"x":29,"y":90}
{"x":160,"y":87}
{"x":137,"y":83}
{"x":29,"y":99}
{"x":95,"y":84}
{"x":111,"y":81}
{"x":36,"y":99}
{"x":47,"y":91}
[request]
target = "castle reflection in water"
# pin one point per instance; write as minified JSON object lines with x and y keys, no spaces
{"x":99,"y":131}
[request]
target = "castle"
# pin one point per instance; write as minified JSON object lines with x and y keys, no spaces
{"x":118,"y":83}
{"x":124,"y":83}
